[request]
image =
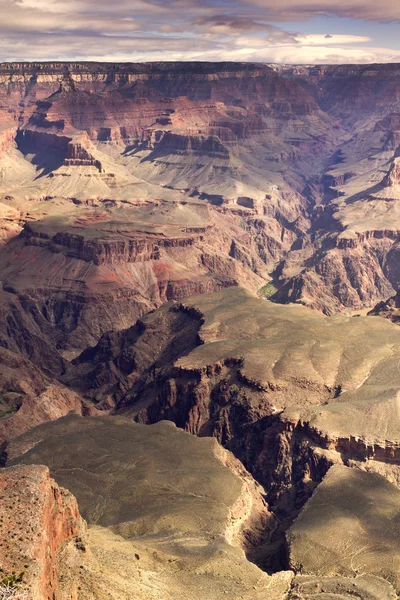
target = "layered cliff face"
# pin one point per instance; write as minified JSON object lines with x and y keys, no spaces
{"x":350,"y":259}
{"x":298,"y":397}
{"x":303,"y":159}
{"x":67,"y":281}
{"x":145,"y":183}
{"x":289,"y":391}
{"x":347,"y":90}
{"x":126,"y":188}
{"x":152,"y":113}
{"x":38,"y":521}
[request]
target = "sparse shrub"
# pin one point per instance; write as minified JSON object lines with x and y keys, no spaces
{"x":12,"y":593}
{"x":267,"y":290}
{"x":10,"y":587}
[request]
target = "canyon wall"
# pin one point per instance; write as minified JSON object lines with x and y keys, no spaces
{"x":38,"y":519}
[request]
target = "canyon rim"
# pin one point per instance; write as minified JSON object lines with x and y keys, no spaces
{"x":200,"y":302}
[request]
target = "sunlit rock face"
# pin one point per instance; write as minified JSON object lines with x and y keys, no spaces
{"x":131,"y":185}
{"x":40,"y":528}
{"x":167,"y":513}
{"x":307,"y":404}
{"x":256,"y":173}
{"x":147,"y":214}
{"x":290,"y":391}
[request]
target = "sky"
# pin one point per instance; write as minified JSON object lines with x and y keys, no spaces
{"x":284,"y":31}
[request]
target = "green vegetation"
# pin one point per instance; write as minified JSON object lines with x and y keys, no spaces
{"x":10,"y":587}
{"x":13,"y":580}
{"x":267,"y":290}
{"x":9,"y":402}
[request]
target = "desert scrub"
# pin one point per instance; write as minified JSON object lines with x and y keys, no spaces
{"x":10,"y":402}
{"x":267,"y":290}
{"x":10,"y":587}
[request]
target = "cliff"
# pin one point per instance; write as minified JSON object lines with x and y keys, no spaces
{"x":38,"y":518}
{"x":286,"y":390}
{"x":107,"y":169}
{"x":178,"y":507}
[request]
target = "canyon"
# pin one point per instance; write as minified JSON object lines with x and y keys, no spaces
{"x":199,"y":340}
{"x":146,"y":183}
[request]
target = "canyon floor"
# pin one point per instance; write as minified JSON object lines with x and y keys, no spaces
{"x":199,"y":340}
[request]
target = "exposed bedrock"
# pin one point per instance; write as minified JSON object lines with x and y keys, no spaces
{"x":342,"y":272}
{"x":41,"y":527}
{"x":288,"y":391}
{"x":347,"y":90}
{"x":134,"y":186}
{"x":29,"y":397}
{"x":197,"y":144}
{"x":388,"y":308}
{"x":311,"y":150}
{"x":295,"y":395}
{"x":157,"y":501}
{"x":64,"y":285}
{"x":179,"y":79}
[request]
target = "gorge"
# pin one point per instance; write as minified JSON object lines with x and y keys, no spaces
{"x":207,"y":249}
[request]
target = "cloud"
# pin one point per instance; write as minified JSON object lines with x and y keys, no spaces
{"x":289,"y":10}
{"x":229,"y":24}
{"x":325,"y":55}
{"x":186,"y":30}
{"x":337,"y":40}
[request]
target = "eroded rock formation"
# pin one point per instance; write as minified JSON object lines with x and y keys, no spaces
{"x":168,"y":513}
{"x":38,"y":520}
{"x":289,"y":391}
{"x":127,"y":187}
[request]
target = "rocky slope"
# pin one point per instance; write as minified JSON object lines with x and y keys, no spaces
{"x":341,"y":532}
{"x":289,"y":391}
{"x":135,"y":184}
{"x":29,"y":397}
{"x":388,"y":309}
{"x":346,"y":90}
{"x":39,"y":520}
{"x":78,"y":278}
{"x":169,"y":515}
{"x":308,"y":403}
{"x":123,"y":190}
{"x":303,"y":159}
{"x":350,"y":259}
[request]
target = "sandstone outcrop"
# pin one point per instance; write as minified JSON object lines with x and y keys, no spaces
{"x":110,"y":135}
{"x":37,"y":520}
{"x":289,"y":145}
{"x":69,"y":284}
{"x":126,"y":188}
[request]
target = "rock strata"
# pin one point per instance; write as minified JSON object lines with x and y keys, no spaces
{"x":290,"y":392}
{"x":38,"y":519}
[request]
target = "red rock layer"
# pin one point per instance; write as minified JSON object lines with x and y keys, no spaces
{"x":37,"y":519}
